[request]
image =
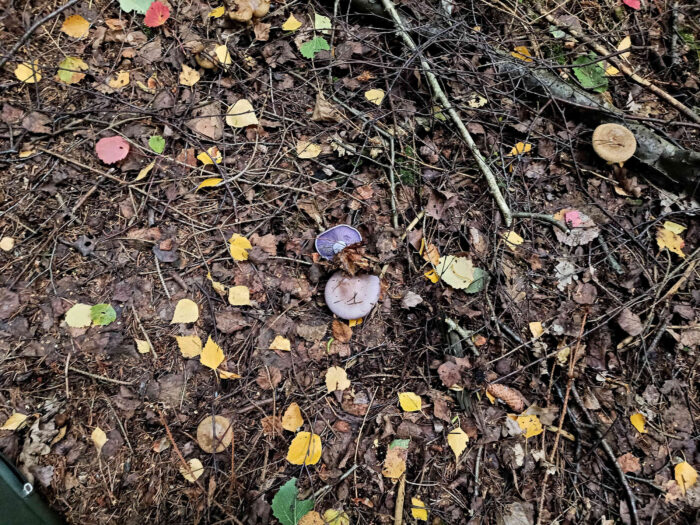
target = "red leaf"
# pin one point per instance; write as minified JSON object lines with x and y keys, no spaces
{"x":157,"y":14}
{"x":634,"y":4}
{"x":112,"y":149}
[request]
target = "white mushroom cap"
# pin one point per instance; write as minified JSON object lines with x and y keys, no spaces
{"x":614,"y":143}
{"x":214,"y":434}
{"x":351,"y":297}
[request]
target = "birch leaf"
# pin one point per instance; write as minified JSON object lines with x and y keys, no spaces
{"x":195,"y":470}
{"x":292,"y":419}
{"x":212,"y":355}
{"x":457,"y":439}
{"x":189,"y":345}
{"x":15,"y":421}
{"x":305,"y":449}
{"x":410,"y":402}
{"x":186,"y":311}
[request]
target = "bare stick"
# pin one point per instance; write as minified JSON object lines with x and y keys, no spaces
{"x":442,"y":97}
{"x":100,"y":378}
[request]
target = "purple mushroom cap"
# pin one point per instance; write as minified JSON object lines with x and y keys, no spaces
{"x":352,"y":297}
{"x":336,"y":239}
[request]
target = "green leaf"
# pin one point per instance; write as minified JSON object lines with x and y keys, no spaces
{"x":310,"y":48}
{"x":286,"y":507}
{"x":140,"y":6}
{"x":401,"y":443}
{"x":591,"y":76}
{"x":322,"y":23}
{"x":102,"y":314}
{"x":480,"y":277}
{"x":157,"y":143}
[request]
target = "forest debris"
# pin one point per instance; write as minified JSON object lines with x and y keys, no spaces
{"x":510,"y":396}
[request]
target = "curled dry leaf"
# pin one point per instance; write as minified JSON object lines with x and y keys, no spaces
{"x":510,"y":396}
{"x":214,"y":434}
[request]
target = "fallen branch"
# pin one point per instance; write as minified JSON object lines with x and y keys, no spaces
{"x":442,"y":98}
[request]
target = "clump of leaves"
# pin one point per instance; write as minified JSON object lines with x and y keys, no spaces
{"x":286,"y":507}
{"x":591,"y":75}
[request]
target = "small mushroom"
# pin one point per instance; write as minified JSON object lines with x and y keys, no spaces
{"x":214,"y":434}
{"x":336,"y":239}
{"x":248,"y":9}
{"x":352,"y":297}
{"x":206,"y":58}
{"x":614,"y":143}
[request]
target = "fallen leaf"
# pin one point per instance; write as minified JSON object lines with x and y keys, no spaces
{"x":674,"y":227}
{"x":634,"y":4}
{"x":212,"y":355}
{"x":241,"y":114}
{"x":69,"y":70}
{"x":520,"y":148}
{"x":157,"y":144}
{"x":322,"y":23}
{"x":188,"y":76}
{"x":395,"y":461}
{"x":410,"y":402}
{"x":238,"y":247}
{"x":312,"y":518}
{"x":156,"y":15}
{"x":291,"y":24}
{"x":291,"y":419}
{"x":375,"y":96}
{"x":102,"y":314}
{"x":513,"y":240}
{"x":239,"y":296}
{"x":140,"y":6}
{"x":142,"y":346}
{"x":225,"y":374}
{"x":667,"y":238}
{"x":209,"y":183}
{"x":99,"y":438}
{"x":335,"y":517}
{"x":307,"y":150}
{"x":28,"y":72}
{"x":476,"y":101}
{"x":521,"y":53}
{"x":341,"y":331}
{"x":336,"y":379}
{"x":432,"y":276}
{"x":223,"y":56}
{"x":630,"y":322}
{"x":280,"y":343}
{"x":193,"y":471}
{"x":189,"y":345}
{"x":15,"y":421}
{"x":686,"y":476}
{"x":429,"y":252}
{"x":145,"y":171}
{"x":211,"y":156}
{"x":121,"y":79}
{"x":76,"y":26}
{"x":458,"y":272}
{"x":305,"y":449}
{"x":310,"y":48}
{"x":214,"y":434}
{"x":629,"y":463}
{"x":288,"y":509}
{"x":457,"y":439}
{"x":7,"y":244}
{"x":186,"y":311}
{"x":112,"y":149}
{"x":418,"y":510}
{"x":79,"y":316}
{"x":530,"y":424}
{"x":639,"y":422}
{"x":536,"y":329}
{"x":217,"y":12}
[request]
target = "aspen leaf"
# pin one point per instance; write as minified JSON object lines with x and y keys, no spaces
{"x":457,"y":439}
{"x":375,"y":96}
{"x":336,"y":379}
{"x":291,"y":419}
{"x":79,"y":316}
{"x":239,"y":296}
{"x":69,"y":70}
{"x":222,"y":55}
{"x":186,"y":311}
{"x":305,"y":449}
{"x":194,"y":470}
{"x":145,"y":171}
{"x":188,"y":76}
{"x":292,"y":24}
{"x":120,"y":80}
{"x":209,"y":183}
{"x":458,"y":272}
{"x":639,"y":422}
{"x":211,"y":156}
{"x":530,"y":424}
{"x":15,"y":421}
{"x":521,"y":53}
{"x":212,"y":355}
{"x":395,"y":461}
{"x":686,"y":476}
{"x":28,"y":72}
{"x":218,"y":287}
{"x":667,"y":238}
{"x":142,"y":346}
{"x":536,"y":329}
{"x":418,"y":510}
{"x":75,"y":26}
{"x":238,"y":247}
{"x":307,"y":150}
{"x":217,"y":12}
{"x":281,"y":343}
{"x":241,"y":114}
{"x":99,"y":438}
{"x":410,"y":402}
{"x":102,"y":314}
{"x":189,"y":345}
{"x":513,"y":240}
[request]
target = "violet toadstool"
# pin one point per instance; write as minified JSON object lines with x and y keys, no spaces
{"x":352,"y":297}
{"x":336,"y":239}
{"x":614,"y":143}
{"x":214,"y":434}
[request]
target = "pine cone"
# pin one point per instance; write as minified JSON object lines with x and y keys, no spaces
{"x":510,"y":396}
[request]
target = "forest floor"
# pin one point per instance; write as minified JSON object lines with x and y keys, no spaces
{"x":552,"y":377}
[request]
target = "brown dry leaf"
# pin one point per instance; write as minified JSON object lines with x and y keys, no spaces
{"x":324,"y":111}
{"x":395,"y":462}
{"x":292,"y":419}
{"x":341,"y":331}
{"x":630,"y":322}
{"x":271,"y":426}
{"x":268,"y":378}
{"x":629,"y":463}
{"x":262,"y":31}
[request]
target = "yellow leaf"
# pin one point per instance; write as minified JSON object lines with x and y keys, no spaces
{"x":238,"y":247}
{"x":209,"y":183}
{"x":69,"y":70}
{"x":28,"y":72}
{"x":79,"y":316}
{"x":536,"y":329}
{"x":195,"y":470}
{"x":142,"y":346}
{"x":15,"y":421}
{"x":520,"y":148}
{"x":210,"y":156}
{"x":418,"y":510}
{"x":99,"y":438}
{"x":26,"y":153}
{"x":186,"y":311}
{"x":665,"y":238}
{"x":625,"y":43}
{"x":375,"y":96}
{"x":292,"y":24}
{"x":222,"y":55}
{"x":239,"y":296}
{"x":291,"y":419}
{"x":686,"y":476}
{"x":458,"y":272}
{"x":225,"y":374}
{"x":190,"y":345}
{"x":121,"y":80}
{"x":281,"y":343}
{"x":395,"y":462}
{"x":639,"y":422}
{"x":217,"y":12}
{"x":145,"y":171}
{"x":674,"y":227}
{"x":410,"y":402}
{"x":305,"y":449}
{"x":522,"y":53}
{"x":307,"y":150}
{"x":336,"y":379}
{"x":530,"y":424}
{"x":490,"y":397}
{"x":212,"y":355}
{"x":513,"y":240}
{"x":336,"y":517}
{"x":457,"y":439}
{"x":188,"y":76}
{"x":218,"y":287}
{"x":432,"y":276}
{"x":355,"y":322}
{"x":75,"y":26}
{"x":241,"y":114}
{"x":476,"y":101}
{"x":7,"y":244}
{"x":611,"y":71}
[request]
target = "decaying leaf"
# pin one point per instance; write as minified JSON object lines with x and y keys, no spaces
{"x":395,"y":460}
{"x":239,"y":296}
{"x":337,"y":379}
{"x":15,"y":421}
{"x":410,"y":401}
{"x":667,"y":237}
{"x":189,"y":345}
{"x":99,"y":438}
{"x":188,"y":76}
{"x":241,"y":114}
{"x":292,"y":419}
{"x":70,"y":70}
{"x":375,"y":96}
{"x":238,"y":247}
{"x":210,"y":157}
{"x":536,"y":329}
{"x":281,"y":343}
{"x":142,"y":346}
{"x":307,"y":150}
{"x":79,"y":316}
{"x":186,"y":311}
{"x":305,"y":449}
